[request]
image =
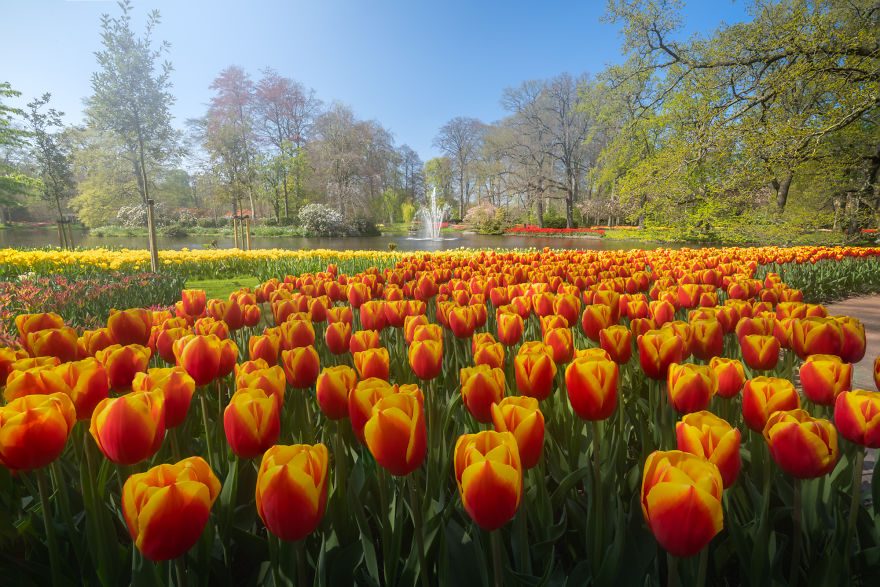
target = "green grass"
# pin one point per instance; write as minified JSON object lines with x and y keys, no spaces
{"x":221,"y":288}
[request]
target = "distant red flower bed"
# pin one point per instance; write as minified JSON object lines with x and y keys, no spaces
{"x":532,"y":229}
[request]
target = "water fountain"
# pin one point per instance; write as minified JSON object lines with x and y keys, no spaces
{"x":432,"y":217}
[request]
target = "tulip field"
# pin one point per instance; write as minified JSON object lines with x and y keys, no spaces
{"x":461,"y":418}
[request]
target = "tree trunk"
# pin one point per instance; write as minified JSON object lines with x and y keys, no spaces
{"x":461,"y":196}
{"x":782,"y":188}
{"x":539,"y":209}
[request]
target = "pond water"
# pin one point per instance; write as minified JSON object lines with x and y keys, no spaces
{"x":39,"y":237}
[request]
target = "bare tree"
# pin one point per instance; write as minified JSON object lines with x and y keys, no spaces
{"x":460,"y":140}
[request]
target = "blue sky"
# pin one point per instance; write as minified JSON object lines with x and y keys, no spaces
{"x":411,"y":65}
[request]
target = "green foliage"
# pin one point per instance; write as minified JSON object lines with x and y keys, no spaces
{"x":407,"y":212}
{"x":12,"y":181}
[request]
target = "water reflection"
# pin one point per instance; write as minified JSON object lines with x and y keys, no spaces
{"x":32,"y":237}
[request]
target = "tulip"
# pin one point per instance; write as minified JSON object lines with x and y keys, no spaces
{"x":707,"y":340}
{"x":816,"y":336}
{"x":88,"y":382}
{"x":763,"y":326}
{"x":301,"y":366}
{"x":802,"y":446}
{"x":857,"y":417}
{"x":340,"y":314}
{"x":34,"y":430}
{"x":682,"y":330}
{"x":264,"y":347}
{"x":122,"y":362}
{"x":54,"y":342}
{"x":333,"y":387}
{"x":373,"y":315}
{"x":592,"y":388}
{"x":130,"y":326}
{"x":291,"y":489}
{"x":510,"y":328}
{"x":208,"y":325}
{"x":562,"y":343}
{"x":8,"y":356}
{"x":28,"y":323}
{"x":661,"y":311}
{"x":193,"y":302}
{"x":596,"y":317}
{"x":760,"y":351}
{"x":534,"y":374}
{"x":706,"y":435}
{"x":521,"y":417}
{"x":396,"y":433}
{"x":296,"y":333}
{"x":166,"y":508}
{"x":764,"y":395}
{"x":480,"y":339}
{"x":480,"y":387}
{"x":227,"y":311}
{"x":681,"y":501}
{"x":657,"y":350}
{"x":522,"y":305}
{"x":462,"y":321}
{"x":490,"y":354}
{"x":338,"y":337}
{"x":35,"y":381}
{"x":358,"y":293}
{"x":252,"y":422}
{"x":164,"y":342}
{"x":177,"y":387}
{"x":552,"y":321}
{"x":730,"y":376}
{"x":610,"y":299}
{"x":427,"y":332}
{"x":640,"y":326}
{"x":489,"y":476}
{"x":637,"y":309}
{"x":410,"y":324}
{"x":854,"y":344}
{"x":130,"y":429}
{"x":361,"y":400}
{"x":363,"y":340}
{"x":372,"y":363}
{"x":251,"y":314}
{"x":93,"y":341}
{"x":617,"y":342}
{"x":426,"y":358}
{"x":690,"y":387}
{"x":824,"y":377}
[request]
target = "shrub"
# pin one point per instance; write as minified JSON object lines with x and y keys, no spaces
{"x":365,"y":227}
{"x":135,"y":215}
{"x":321,"y":220}
{"x":174,"y":231}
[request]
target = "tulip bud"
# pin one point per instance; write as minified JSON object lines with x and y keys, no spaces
{"x":706,"y":435}
{"x":166,"y":508}
{"x":592,"y":387}
{"x":489,"y":476}
{"x":764,"y":395}
{"x":730,"y":376}
{"x":130,"y":429}
{"x":396,"y":433}
{"x":857,"y":417}
{"x":690,"y":387}
{"x":34,"y":430}
{"x":252,"y":422}
{"x":480,"y":387}
{"x":521,"y":417}
{"x":824,"y":377}
{"x":333,"y":388}
{"x":301,"y":366}
{"x":291,"y":489}
{"x":802,"y":446}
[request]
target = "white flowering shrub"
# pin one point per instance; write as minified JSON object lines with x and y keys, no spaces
{"x":322,"y":220}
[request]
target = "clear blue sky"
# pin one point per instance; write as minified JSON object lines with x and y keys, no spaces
{"x":411,"y":65}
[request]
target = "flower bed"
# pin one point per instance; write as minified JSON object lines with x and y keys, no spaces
{"x":455,"y":418}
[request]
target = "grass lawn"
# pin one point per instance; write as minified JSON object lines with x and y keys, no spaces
{"x":221,"y":288}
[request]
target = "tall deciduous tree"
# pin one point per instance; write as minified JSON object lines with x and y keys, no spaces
{"x":285,"y":111}
{"x":460,"y":140}
{"x":131,"y":95}
{"x":50,"y":153}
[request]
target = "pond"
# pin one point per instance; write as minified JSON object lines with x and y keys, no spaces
{"x":41,"y":237}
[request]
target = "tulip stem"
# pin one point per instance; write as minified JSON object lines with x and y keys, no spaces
{"x":50,"y":529}
{"x":597,"y":484}
{"x":417,"y":527}
{"x":339,"y":456}
{"x":495,"y":539}
{"x":704,"y":563}
{"x":299,"y":546}
{"x":856,"y":494}
{"x":180,"y":570}
{"x":797,"y":521}
{"x":672,"y":571}
{"x":207,"y":430}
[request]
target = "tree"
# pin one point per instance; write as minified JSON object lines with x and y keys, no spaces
{"x":12,"y":181}
{"x":229,"y":136}
{"x":438,"y":176}
{"x":131,"y":96}
{"x":460,"y":140}
{"x":795,"y":88}
{"x":50,"y":154}
{"x":285,"y":112}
